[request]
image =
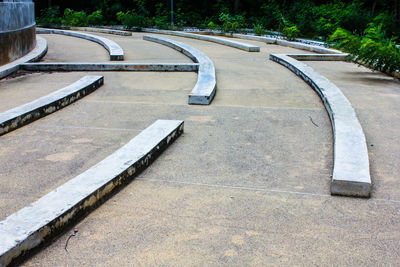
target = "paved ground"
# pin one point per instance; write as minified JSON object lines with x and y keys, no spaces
{"x":248,"y":182}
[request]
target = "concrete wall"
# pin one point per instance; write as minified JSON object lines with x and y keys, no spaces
{"x":17,"y":29}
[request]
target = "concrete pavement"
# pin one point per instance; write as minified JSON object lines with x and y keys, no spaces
{"x":246,"y":185}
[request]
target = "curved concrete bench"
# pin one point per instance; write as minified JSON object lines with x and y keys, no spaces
{"x":206,"y":86}
{"x":101,"y":30}
{"x":47,"y":217}
{"x":298,"y":45}
{"x":351,"y":175}
{"x":37,"y":53}
{"x":25,"y":114}
{"x":115,"y":51}
{"x":84,"y":66}
{"x":234,"y":44}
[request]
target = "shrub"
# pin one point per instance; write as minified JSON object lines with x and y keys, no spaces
{"x":259,"y":29}
{"x":96,"y":18}
{"x":291,"y":33}
{"x":373,"y":49}
{"x":74,"y":18}
{"x":230,"y":23}
{"x":131,"y":19}
{"x":49,"y":16}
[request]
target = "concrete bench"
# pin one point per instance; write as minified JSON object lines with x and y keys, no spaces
{"x":36,"y":224}
{"x":115,"y":51}
{"x":351,"y":174}
{"x":37,"y":53}
{"x":234,"y":44}
{"x":106,"y":66}
{"x":206,"y":86}
{"x":17,"y":117}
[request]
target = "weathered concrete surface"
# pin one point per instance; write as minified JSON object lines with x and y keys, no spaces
{"x":204,"y":91}
{"x":247,"y":184}
{"x":375,"y":98}
{"x":218,"y":40}
{"x":115,"y":51}
{"x":47,"y":153}
{"x":15,"y":118}
{"x":84,"y":66}
{"x":351,"y":176}
{"x":35,"y":224}
{"x":37,"y":53}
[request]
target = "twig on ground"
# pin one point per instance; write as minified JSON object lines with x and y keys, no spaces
{"x":313,"y":121}
{"x":66,"y":243}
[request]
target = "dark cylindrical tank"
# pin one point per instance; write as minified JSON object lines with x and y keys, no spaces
{"x":17,"y":29}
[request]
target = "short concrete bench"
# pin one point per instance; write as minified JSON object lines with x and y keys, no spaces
{"x":44,"y":219}
{"x":234,"y":44}
{"x":37,"y":53}
{"x":115,"y":51}
{"x":85,"y":66}
{"x":351,"y":175}
{"x":204,"y":91}
{"x":25,"y":114}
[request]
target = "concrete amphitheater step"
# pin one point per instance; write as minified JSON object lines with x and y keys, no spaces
{"x":218,"y":40}
{"x":38,"y":223}
{"x":351,"y":175}
{"x":37,"y":53}
{"x":115,"y":51}
{"x":105,"y":66}
{"x":204,"y":91}
{"x":17,"y":117}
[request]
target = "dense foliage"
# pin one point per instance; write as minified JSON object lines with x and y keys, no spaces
{"x":365,"y":28}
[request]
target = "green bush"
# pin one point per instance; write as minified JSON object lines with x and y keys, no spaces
{"x":74,"y":18}
{"x":96,"y":18}
{"x":161,"y":19}
{"x":49,"y":16}
{"x":270,"y":14}
{"x":291,"y":33}
{"x":373,"y":49}
{"x":259,"y":29}
{"x":131,"y":19}
{"x":231,"y":23}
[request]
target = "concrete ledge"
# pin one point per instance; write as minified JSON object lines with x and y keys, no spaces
{"x":204,"y":91}
{"x":298,"y":45}
{"x":320,"y":57}
{"x":37,"y":53}
{"x":100,"y":30}
{"x":351,"y":175}
{"x":25,"y":114}
{"x":115,"y":51}
{"x":84,"y":66}
{"x":234,"y":44}
{"x":38,"y":223}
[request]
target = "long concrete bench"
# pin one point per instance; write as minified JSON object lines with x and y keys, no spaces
{"x":100,"y":30}
{"x":351,"y":174}
{"x":37,"y":53}
{"x":36,"y":224}
{"x":25,"y":114}
{"x":298,"y":45}
{"x":320,"y":57}
{"x":84,"y":66}
{"x":115,"y":51}
{"x":204,"y":91}
{"x":234,"y":44}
